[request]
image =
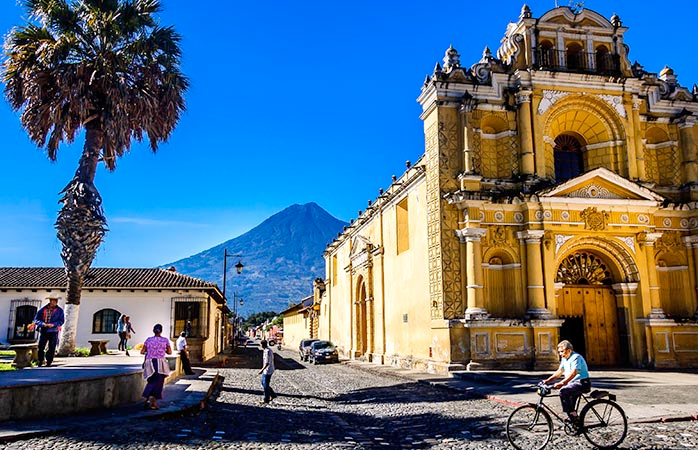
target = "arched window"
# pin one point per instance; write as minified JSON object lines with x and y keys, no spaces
{"x":575,"y":56}
{"x":104,"y":321}
{"x":569,"y":159}
{"x":547,"y":55}
{"x":602,"y":59}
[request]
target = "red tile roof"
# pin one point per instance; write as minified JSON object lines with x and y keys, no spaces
{"x":99,"y":278}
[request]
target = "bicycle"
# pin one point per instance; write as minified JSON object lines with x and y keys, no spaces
{"x":601,"y":420}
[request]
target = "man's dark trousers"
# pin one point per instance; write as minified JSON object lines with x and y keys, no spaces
{"x":52,"y":339}
{"x":186,"y":365}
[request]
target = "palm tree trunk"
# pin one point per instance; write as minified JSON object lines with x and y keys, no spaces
{"x":81,"y":226}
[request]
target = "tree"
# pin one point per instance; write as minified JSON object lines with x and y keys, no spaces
{"x":105,"y":67}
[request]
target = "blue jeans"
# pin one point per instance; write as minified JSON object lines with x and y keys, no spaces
{"x":269,"y":393}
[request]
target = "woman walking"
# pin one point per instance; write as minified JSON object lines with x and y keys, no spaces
{"x":155,"y":367}
{"x":124,"y":328}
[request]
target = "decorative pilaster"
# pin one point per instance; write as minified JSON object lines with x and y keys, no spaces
{"x":534,"y":272}
{"x":690,"y":153}
{"x":692,"y":251}
{"x":473,"y":254}
{"x":443,"y":163}
{"x":655,"y":300}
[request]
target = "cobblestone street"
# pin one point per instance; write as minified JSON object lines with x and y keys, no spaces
{"x":332,"y":407}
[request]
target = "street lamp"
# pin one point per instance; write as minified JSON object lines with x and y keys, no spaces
{"x":238,"y":269}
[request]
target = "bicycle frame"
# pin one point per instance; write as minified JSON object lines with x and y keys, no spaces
{"x":552,"y":411}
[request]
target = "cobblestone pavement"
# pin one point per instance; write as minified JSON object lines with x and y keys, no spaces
{"x":335,"y":407}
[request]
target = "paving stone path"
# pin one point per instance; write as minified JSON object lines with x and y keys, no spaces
{"x":335,"y":407}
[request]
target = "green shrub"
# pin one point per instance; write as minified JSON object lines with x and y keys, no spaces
{"x":81,"y":351}
{"x":5,"y":367}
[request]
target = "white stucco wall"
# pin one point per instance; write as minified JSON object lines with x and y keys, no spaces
{"x":146,"y":308}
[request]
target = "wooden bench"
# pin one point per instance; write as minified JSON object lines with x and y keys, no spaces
{"x":99,"y":347}
{"x":25,"y":354}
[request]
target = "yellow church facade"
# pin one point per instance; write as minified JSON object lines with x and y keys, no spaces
{"x":556,"y":198}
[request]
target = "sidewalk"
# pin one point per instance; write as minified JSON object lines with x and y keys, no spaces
{"x":187,"y":393}
{"x":645,"y":395}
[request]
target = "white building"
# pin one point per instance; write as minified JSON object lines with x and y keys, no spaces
{"x":148,"y":296}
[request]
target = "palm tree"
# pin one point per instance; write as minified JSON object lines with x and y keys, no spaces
{"x":105,"y":67}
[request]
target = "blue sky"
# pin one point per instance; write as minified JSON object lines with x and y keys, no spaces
{"x":290,"y":102}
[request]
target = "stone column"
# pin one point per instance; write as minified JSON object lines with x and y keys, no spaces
{"x":655,"y":300}
{"x":534,"y":272}
{"x":523,"y":100}
{"x":475,"y":307}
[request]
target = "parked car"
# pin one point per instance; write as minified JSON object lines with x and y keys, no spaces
{"x":304,"y":348}
{"x":323,"y":351}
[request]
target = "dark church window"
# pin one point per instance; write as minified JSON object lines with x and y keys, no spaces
{"x":569,"y":160}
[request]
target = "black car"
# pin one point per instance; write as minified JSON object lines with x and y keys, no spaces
{"x":323,"y":351}
{"x":304,"y":348}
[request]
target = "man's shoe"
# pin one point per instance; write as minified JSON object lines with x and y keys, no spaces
{"x":263,"y":402}
{"x":39,"y":363}
{"x":48,"y":364}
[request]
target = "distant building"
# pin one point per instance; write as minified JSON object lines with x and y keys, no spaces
{"x":148,"y":296}
{"x":556,"y":198}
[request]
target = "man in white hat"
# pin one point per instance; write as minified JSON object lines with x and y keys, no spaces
{"x":49,"y":321}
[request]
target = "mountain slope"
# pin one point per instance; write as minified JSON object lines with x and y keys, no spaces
{"x":282,"y":256}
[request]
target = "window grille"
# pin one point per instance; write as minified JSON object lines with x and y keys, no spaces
{"x":22,"y":312}
{"x":105,"y":320}
{"x":189,"y":314}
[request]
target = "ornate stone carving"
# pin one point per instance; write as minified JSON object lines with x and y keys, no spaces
{"x":582,"y":268}
{"x":616,"y":102}
{"x":498,"y":236}
{"x":594,"y":220}
{"x":592,"y":191}
{"x":560,"y":240}
{"x":549,"y":99}
{"x":670,"y":242}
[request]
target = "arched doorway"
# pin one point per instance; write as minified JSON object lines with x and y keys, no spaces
{"x":588,"y":305}
{"x":361,"y":320}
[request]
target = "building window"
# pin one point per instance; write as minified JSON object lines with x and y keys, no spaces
{"x":575,"y":57}
{"x":402,"y":226}
{"x":190,"y":314}
{"x":104,"y":321}
{"x":569,"y":159}
{"x":22,"y":313}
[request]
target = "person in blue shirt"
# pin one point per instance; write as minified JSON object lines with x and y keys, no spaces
{"x":49,"y":321}
{"x":576,"y":378}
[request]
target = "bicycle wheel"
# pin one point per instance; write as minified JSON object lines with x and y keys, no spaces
{"x":604,"y":423}
{"x":529,"y":428}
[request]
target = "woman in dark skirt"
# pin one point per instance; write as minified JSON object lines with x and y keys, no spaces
{"x":155,"y":367}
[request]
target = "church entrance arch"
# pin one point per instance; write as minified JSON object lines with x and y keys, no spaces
{"x":588,"y":305}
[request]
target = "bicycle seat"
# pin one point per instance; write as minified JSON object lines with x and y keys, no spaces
{"x":598,"y":394}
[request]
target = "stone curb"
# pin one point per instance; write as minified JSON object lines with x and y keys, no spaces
{"x":192,"y":402}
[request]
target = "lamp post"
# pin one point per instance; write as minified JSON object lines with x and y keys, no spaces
{"x":236,"y":318}
{"x":238,"y":269}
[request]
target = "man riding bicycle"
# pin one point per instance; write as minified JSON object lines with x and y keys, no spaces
{"x":576,"y":378}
